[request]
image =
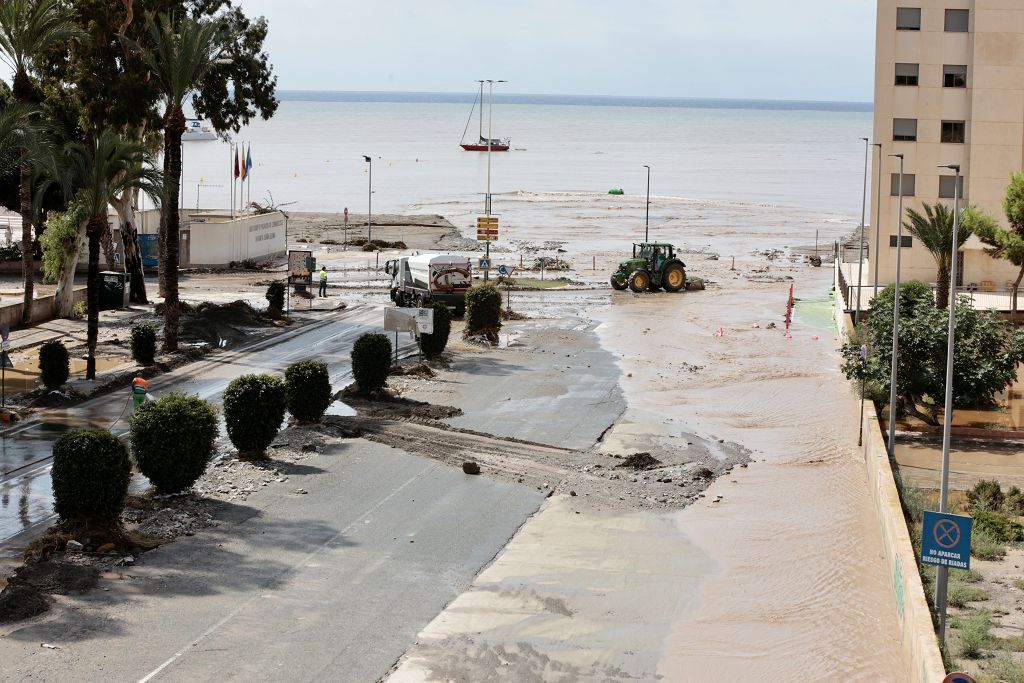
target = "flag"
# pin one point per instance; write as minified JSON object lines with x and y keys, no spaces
{"x":241,"y":166}
{"x":248,"y":162}
{"x":236,"y":162}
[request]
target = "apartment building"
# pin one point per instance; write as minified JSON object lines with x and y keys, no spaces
{"x":949,"y":89}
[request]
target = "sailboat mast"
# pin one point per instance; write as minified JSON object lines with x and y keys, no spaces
{"x":481,"y":136}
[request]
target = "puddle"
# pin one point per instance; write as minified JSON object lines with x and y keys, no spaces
{"x":25,"y":374}
{"x":339,"y":409}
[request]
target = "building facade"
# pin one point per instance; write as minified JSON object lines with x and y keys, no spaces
{"x":949,"y":89}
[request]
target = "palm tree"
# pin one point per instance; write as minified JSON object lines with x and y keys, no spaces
{"x":182,"y":51}
{"x":934,"y":230}
{"x":27,"y":29}
{"x":98,"y":170}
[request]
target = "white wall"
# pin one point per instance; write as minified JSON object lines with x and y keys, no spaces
{"x":218,"y":242}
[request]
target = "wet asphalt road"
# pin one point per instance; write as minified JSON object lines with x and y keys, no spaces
{"x":26,"y":501}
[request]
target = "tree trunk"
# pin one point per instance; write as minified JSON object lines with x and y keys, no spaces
{"x":28,"y":266}
{"x":161,"y":238}
{"x":174,"y":128}
{"x":107,"y":245}
{"x":1013,"y":295}
{"x":910,"y":408}
{"x":132,"y":253}
{"x":97,"y":224}
{"x":942,"y":288}
{"x":66,"y":282}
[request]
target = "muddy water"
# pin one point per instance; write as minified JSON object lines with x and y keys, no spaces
{"x":800,"y":589}
{"x":25,"y":374}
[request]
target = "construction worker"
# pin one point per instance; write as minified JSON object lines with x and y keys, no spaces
{"x":140,"y":387}
{"x":323,"y":280}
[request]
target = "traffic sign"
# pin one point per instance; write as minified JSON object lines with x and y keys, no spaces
{"x":502,"y":270}
{"x":946,"y":540}
{"x":484,"y":264}
{"x":959,"y":677}
{"x":5,"y":360}
{"x":486,"y":228}
{"x":5,"y":345}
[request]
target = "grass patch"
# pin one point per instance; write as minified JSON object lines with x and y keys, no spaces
{"x":973,"y":634}
{"x":538,"y":283}
{"x":1004,"y":669}
{"x":959,"y":594}
{"x":1013,"y":643}
{"x":984,"y":547}
{"x":1018,"y":583}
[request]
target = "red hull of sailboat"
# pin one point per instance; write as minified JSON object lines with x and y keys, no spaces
{"x":483,"y":148}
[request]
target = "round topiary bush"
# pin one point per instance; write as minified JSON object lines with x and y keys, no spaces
{"x":275,"y":296}
{"x":433,"y":344}
{"x":307,"y":390}
{"x":253,"y":410}
{"x":90,"y":476}
{"x":172,"y":440}
{"x":54,"y":365}
{"x":483,"y":311}
{"x":371,"y":361}
{"x":143,"y":343}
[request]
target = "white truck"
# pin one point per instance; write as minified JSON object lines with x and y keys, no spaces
{"x":418,"y":281}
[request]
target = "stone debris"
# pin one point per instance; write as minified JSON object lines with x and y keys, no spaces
{"x":470,"y":467}
{"x":74,"y":547}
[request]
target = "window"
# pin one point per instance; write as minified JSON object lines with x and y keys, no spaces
{"x":904,"y":130}
{"x":953,"y":132}
{"x":957,"y":20}
{"x":947,"y":184}
{"x":954,"y":76}
{"x":909,"y":183}
{"x":908,"y":241}
{"x":908,"y":18}
{"x":907,"y":74}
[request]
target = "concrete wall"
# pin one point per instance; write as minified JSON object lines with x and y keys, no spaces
{"x":43,"y":309}
{"x":212,"y":240}
{"x":992,"y":105}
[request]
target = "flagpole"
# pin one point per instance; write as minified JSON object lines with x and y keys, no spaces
{"x":231,"y":175}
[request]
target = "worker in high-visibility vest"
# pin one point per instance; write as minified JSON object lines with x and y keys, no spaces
{"x":140,"y":387}
{"x":323,"y":280}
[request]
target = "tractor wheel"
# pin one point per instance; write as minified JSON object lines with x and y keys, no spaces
{"x":618,"y":286}
{"x":674,"y":278}
{"x":639,"y":281}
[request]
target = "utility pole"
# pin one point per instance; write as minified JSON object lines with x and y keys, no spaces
{"x":369,"y":202}
{"x":895,"y":322}
{"x":647,"y":207}
{"x":878,"y":219}
{"x":487,"y":198}
{"x":863,"y":219}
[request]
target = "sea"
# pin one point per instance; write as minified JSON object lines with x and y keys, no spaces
{"x":803,"y":159}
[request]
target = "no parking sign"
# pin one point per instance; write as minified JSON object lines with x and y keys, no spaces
{"x":946,"y":540}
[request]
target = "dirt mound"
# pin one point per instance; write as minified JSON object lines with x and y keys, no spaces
{"x":418,"y":370}
{"x":19,"y":602}
{"x":381,"y":404}
{"x":640,"y":461}
{"x":60,"y":578}
{"x":220,"y":325}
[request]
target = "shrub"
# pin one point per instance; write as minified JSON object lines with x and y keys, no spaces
{"x":1006,"y":669}
{"x":371,"y":361}
{"x":483,"y":311}
{"x":433,"y":344}
{"x":143,"y":343}
{"x":79,"y":310}
{"x":973,"y":632}
{"x":998,"y":527}
{"x":1013,"y":502}
{"x":985,"y":495}
{"x":307,"y":390}
{"x":960,"y":594}
{"x":275,"y":296}
{"x":172,"y":440}
{"x":253,"y":410}
{"x":90,"y":476}
{"x":984,"y":547}
{"x":54,"y":365}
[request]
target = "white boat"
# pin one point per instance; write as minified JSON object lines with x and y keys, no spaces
{"x":195,"y":130}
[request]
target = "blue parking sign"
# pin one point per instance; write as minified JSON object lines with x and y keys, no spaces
{"x":502,"y":270}
{"x":946,"y":540}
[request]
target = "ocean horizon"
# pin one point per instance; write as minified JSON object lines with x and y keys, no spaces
{"x":572,"y":100}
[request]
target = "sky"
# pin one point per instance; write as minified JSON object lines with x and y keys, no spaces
{"x":748,"y":49}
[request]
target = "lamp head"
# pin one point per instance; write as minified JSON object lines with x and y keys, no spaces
{"x":367,"y":159}
{"x":952,"y":167}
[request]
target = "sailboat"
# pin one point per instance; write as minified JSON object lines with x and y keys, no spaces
{"x":496,"y":144}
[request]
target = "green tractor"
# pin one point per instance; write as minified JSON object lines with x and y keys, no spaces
{"x":654,"y":266}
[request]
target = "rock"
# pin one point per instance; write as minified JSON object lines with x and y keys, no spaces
{"x":74,"y":547}
{"x":126,"y":561}
{"x":572,"y":493}
{"x":470,"y":467}
{"x":301,"y":491}
{"x":105,"y":548}
{"x":308,"y":447}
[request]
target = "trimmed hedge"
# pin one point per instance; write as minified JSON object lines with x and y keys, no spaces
{"x":90,"y":476}
{"x":173,"y":440}
{"x":483,"y":311}
{"x":434,"y":344}
{"x":371,"y":361}
{"x":253,"y":410}
{"x":307,"y":390}
{"x":143,"y":343}
{"x":275,"y":296}
{"x":54,"y":364}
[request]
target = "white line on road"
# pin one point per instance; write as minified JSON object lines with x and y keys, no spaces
{"x":231,"y":615}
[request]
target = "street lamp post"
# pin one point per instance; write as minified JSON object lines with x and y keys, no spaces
{"x":863,"y":218}
{"x":487,"y":198}
{"x":891,"y":447}
{"x":647,"y":207}
{"x":942,"y":575}
{"x":369,"y":201}
{"x":878,"y":218}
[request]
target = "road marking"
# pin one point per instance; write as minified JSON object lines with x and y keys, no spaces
{"x":233,"y":613}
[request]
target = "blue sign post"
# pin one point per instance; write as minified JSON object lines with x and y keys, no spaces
{"x":946,"y":540}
